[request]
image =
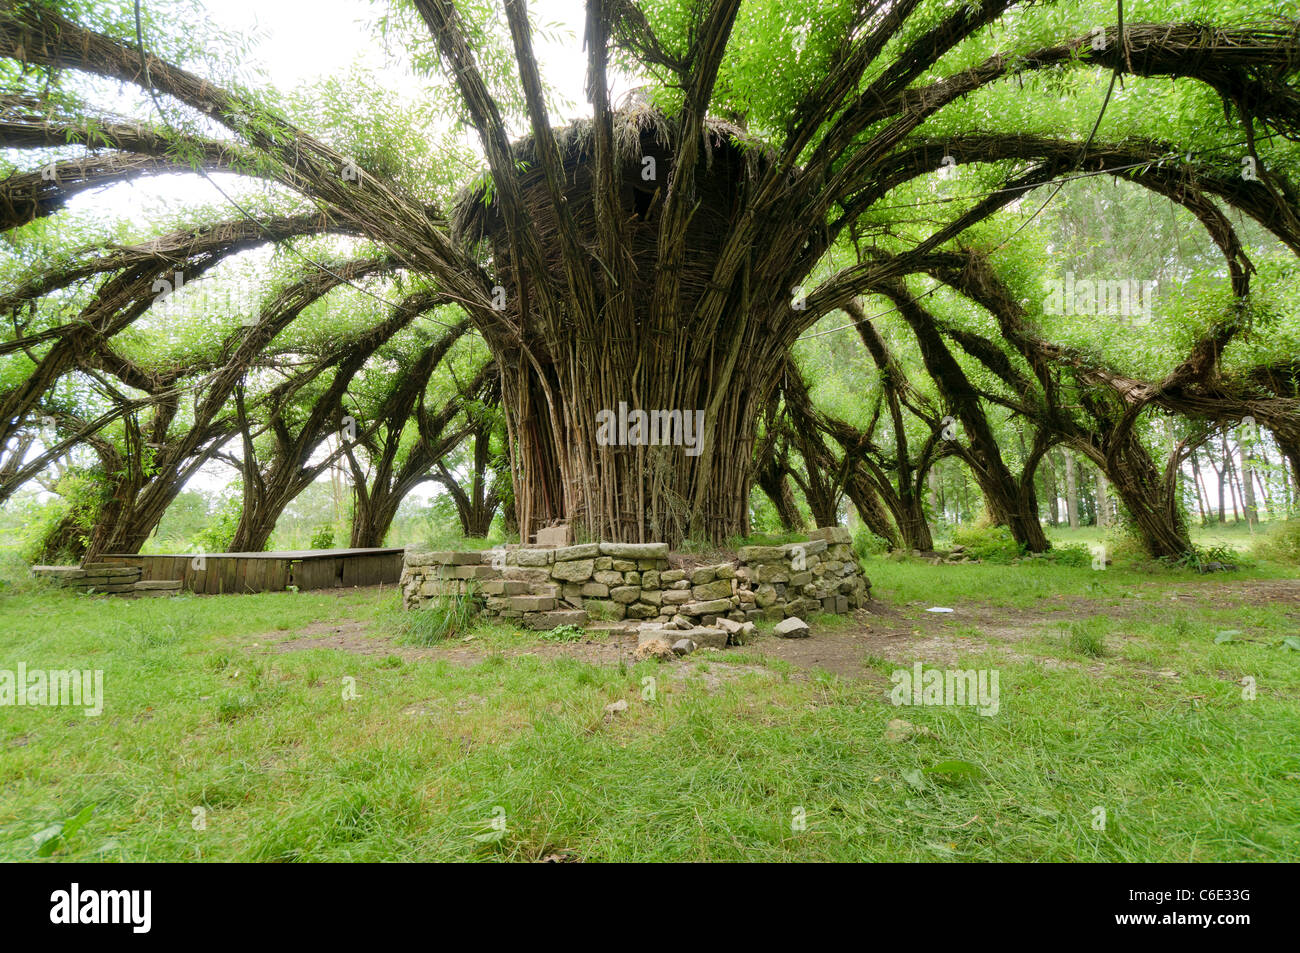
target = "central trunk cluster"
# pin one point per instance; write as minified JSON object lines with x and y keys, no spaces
{"x":619,"y":459}
{"x":635,"y":423}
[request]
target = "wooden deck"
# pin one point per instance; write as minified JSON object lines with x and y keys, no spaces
{"x":271,"y":572}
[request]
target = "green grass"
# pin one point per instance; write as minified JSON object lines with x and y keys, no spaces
{"x":1035,"y":582}
{"x":1238,"y":535}
{"x":203,"y":722}
{"x":1087,"y":638}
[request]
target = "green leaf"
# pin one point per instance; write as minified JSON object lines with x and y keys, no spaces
{"x":47,"y":840}
{"x":53,"y":837}
{"x":1225,"y":636}
{"x":1292,"y":642}
{"x":78,"y":822}
{"x":955,"y":769}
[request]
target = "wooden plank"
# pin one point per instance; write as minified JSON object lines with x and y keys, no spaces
{"x":324,"y":572}
{"x":198,"y":579}
{"x":311,"y":571}
{"x":232,"y":573}
{"x":255,"y":574}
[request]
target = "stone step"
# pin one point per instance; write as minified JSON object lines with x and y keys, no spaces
{"x":702,"y":636}
{"x":549,"y":620}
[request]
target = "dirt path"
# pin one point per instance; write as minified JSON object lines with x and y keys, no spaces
{"x":898,"y":633}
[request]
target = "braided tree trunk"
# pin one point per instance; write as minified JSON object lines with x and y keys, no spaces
{"x":572,"y":462}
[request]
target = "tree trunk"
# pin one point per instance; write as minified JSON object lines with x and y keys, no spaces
{"x":1150,"y":497}
{"x":1290,"y":447}
{"x":257,"y":520}
{"x":1264,"y":494}
{"x":914,"y":527}
{"x":872,"y":511}
{"x":600,"y":478}
{"x":128,"y":520}
{"x":371,"y":519}
{"x":1052,"y":490}
{"x":1103,"y":511}
{"x":1202,"y":495}
{"x":775,"y":484}
{"x":1004,"y":493}
{"x":1222,"y":473}
{"x":1071,"y":490}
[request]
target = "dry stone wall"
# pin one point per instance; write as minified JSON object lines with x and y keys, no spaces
{"x":111,"y":578}
{"x":543,"y":587}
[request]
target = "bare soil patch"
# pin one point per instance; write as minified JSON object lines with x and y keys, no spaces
{"x":901,"y":634}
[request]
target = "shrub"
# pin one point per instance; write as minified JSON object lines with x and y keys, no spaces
{"x":219,"y":533}
{"x":1124,"y":546}
{"x":867,"y":543}
{"x":1077,"y":555}
{"x":1281,"y":544}
{"x":323,"y":537}
{"x":990,"y":543}
{"x":59,"y":530}
{"x":442,"y":529}
{"x":1205,"y":558}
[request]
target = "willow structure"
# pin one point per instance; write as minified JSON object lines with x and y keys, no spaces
{"x":665,"y":261}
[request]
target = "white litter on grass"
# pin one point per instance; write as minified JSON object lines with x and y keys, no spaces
{"x":937,"y":609}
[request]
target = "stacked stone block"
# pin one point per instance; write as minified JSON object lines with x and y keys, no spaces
{"x":542,"y":587}
{"x":800,"y":579}
{"x":112,"y":578}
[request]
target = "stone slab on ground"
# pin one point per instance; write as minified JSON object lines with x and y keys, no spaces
{"x":549,"y":620}
{"x":791,"y":628}
{"x":702,"y":636}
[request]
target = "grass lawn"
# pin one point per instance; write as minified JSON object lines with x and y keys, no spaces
{"x":226,"y":733}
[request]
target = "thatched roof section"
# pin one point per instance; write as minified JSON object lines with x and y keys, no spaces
{"x":638,"y":130}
